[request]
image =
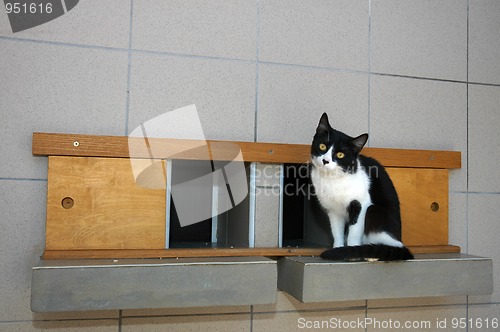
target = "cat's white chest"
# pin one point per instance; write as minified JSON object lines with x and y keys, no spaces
{"x":335,"y":193}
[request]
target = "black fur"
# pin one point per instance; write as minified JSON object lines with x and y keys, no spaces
{"x":353,"y":211}
{"x":379,"y":252}
{"x":348,"y":145}
{"x":384,"y":213}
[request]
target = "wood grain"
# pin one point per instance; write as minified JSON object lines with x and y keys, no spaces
{"x":110,"y":214}
{"x":219,"y":252}
{"x":123,"y":147}
{"x":110,"y":211}
{"x":418,"y":189}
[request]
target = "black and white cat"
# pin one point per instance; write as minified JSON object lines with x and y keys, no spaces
{"x":358,"y":196}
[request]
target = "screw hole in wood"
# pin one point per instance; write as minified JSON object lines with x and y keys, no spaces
{"x":67,"y":202}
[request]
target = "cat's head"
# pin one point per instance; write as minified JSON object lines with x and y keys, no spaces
{"x":333,"y":151}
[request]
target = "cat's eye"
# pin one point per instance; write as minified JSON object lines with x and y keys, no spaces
{"x":340,"y":155}
{"x":322,"y":147}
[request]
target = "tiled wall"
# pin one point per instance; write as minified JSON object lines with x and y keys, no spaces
{"x":414,"y":74}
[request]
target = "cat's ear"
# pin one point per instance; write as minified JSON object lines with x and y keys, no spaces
{"x":324,"y":125}
{"x":359,"y":142}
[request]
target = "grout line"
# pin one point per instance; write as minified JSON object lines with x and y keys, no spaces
{"x":256,"y":117}
{"x":251,"y":318}
{"x":53,"y":43}
{"x":329,"y":69}
{"x":484,"y":192}
{"x":467,"y":310}
{"x":121,"y":49}
{"x":458,"y":191}
{"x":257,"y":69}
{"x":420,"y":78}
{"x":484,"y":303}
{"x":332,"y":69}
{"x":483,"y":84}
{"x":129,"y":69}
{"x":366,"y":313}
{"x":23,"y":179}
{"x":467,"y":98}
{"x":229,"y":313}
{"x":340,"y":309}
{"x":251,"y":311}
{"x":191,"y":56}
{"x":121,"y":316}
{"x":467,"y":147}
{"x":120,"y":320}
{"x":422,"y":306}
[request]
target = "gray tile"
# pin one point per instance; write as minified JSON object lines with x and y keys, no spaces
{"x":420,"y":38}
{"x":457,"y":220}
{"x":415,"y":318}
{"x":309,"y":320}
{"x":187,"y":311}
{"x":76,"y":315}
{"x":484,"y":317}
{"x":267,"y":205}
{"x":90,"y":22}
{"x":484,"y":41}
{"x":223,"y":323}
{"x":223,"y":92}
{"x":286,"y":302}
{"x":292,"y":99}
{"x":56,"y":89}
{"x":417,"y":302}
{"x":213,"y":28}
{"x":73,"y":325}
{"x":483,"y":211}
{"x":326,"y":34}
{"x":22,"y":241}
{"x":484,"y":120}
{"x":420,"y":114}
{"x":22,"y":219}
{"x":267,"y":175}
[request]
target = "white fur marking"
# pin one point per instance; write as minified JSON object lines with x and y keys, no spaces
{"x":357,"y":230}
{"x":382,"y":238}
{"x":336,"y":189}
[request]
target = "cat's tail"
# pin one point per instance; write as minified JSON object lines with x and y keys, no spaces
{"x":380,"y":252}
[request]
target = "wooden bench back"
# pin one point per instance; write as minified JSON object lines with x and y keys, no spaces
{"x":95,"y":209}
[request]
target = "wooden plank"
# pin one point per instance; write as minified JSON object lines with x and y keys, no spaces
{"x":214,"y":252}
{"x":111,"y":212}
{"x":104,"y":209}
{"x":423,"y":195}
{"x":122,"y":147}
{"x":415,"y":158}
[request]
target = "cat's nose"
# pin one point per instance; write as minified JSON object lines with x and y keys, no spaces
{"x":325,"y":162}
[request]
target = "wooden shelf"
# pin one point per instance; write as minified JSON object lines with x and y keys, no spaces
{"x":49,"y":144}
{"x":116,"y":228}
{"x":213,"y":252}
